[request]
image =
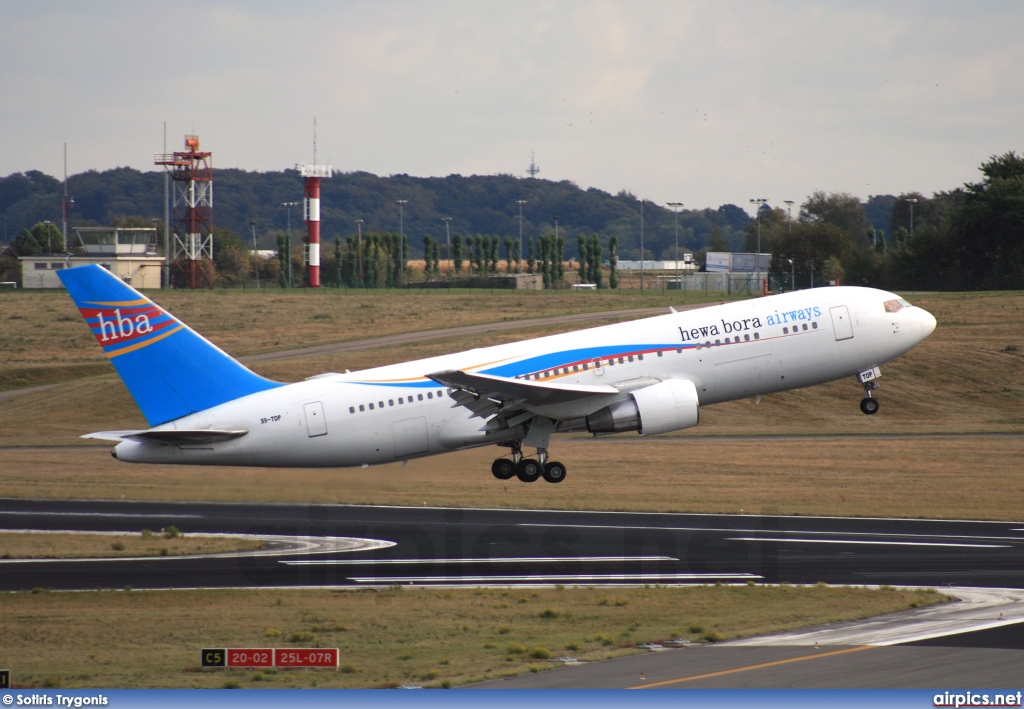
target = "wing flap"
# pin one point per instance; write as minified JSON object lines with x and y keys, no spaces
{"x":528,"y":392}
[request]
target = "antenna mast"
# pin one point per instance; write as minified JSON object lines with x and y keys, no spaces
{"x":533,"y":169}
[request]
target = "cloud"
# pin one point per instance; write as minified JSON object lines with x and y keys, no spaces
{"x":699,"y":102}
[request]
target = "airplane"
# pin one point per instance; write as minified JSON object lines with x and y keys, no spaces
{"x":648,"y":376}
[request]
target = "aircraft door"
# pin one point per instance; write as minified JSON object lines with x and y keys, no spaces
{"x":598,"y":369}
{"x":841,"y":322}
{"x":410,"y":436}
{"x":316,"y":422}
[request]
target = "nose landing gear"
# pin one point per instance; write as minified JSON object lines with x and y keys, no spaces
{"x":869,"y":405}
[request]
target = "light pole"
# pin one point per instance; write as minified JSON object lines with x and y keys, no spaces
{"x":675,"y":208}
{"x":792,"y":274}
{"x":255,"y":254}
{"x":912,"y":201}
{"x":760,"y":202}
{"x":519,"y":260}
{"x":288,"y":207}
{"x":551,"y":254}
{"x":401,"y":223}
{"x":789,"y":219}
{"x":359,"y":247}
{"x":448,"y":240}
{"x":641,"y":246}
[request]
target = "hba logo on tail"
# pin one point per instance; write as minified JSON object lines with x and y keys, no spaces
{"x":117,"y":326}
{"x":126,"y":327}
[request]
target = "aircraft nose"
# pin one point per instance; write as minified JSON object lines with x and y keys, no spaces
{"x":927,"y":324}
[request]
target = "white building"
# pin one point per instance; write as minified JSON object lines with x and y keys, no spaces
{"x":129,"y":253}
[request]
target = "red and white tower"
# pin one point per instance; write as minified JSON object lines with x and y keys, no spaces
{"x":311,"y":175}
{"x":192,"y":173}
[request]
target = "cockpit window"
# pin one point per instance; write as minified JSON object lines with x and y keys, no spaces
{"x":894,"y":306}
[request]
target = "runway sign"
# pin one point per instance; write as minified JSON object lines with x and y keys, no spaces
{"x":250,"y":657}
{"x":213,"y":657}
{"x":307,"y":657}
{"x":270,"y":657}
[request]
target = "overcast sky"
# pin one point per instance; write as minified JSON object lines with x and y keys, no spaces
{"x":699,"y":102}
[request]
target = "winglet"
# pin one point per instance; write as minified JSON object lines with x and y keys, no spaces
{"x":170,"y":370}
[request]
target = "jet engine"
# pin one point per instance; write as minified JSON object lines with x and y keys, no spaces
{"x":669,"y":405}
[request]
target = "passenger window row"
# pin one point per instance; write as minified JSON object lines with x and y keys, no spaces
{"x":401,"y":401}
{"x":796,"y":328}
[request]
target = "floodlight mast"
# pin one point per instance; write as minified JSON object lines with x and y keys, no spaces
{"x":760,"y":202}
{"x":676,"y":206}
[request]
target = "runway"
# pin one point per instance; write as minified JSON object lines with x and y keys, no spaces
{"x":479,"y":546}
{"x":978,"y":642}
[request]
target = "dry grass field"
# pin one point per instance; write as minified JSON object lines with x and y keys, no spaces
{"x":940,"y":477}
{"x":387,"y":638}
{"x":967,"y":378}
{"x":64,"y":545}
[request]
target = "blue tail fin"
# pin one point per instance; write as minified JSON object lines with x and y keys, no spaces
{"x":170,"y":370}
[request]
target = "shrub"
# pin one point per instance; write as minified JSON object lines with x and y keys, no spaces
{"x":515,"y":649}
{"x":273,"y":632}
{"x":348,"y":669}
{"x":118,"y":546}
{"x":301,"y":637}
{"x":713,"y":636}
{"x":540,"y":653}
{"x":549,"y":613}
{"x":574,"y":646}
{"x":696,"y":628}
{"x":171,"y":533}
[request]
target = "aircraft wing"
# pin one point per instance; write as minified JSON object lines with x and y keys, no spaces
{"x":171,"y":437}
{"x":534,"y":393}
{"x":510,"y":402}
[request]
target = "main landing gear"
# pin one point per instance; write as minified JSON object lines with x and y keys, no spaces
{"x":528,"y":469}
{"x":869,"y":405}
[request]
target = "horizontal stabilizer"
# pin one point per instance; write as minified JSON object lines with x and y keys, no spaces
{"x":171,"y":437}
{"x":533,"y":393}
{"x":117,"y":436}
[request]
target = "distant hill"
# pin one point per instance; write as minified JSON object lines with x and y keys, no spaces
{"x":478,"y":204}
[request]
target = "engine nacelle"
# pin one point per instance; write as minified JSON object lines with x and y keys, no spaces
{"x":670,"y":405}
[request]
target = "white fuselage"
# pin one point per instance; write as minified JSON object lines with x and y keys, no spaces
{"x":393,"y":413}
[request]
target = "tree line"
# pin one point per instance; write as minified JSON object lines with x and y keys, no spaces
{"x":968,"y":238}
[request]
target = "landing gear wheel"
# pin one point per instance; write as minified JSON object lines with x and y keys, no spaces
{"x":554,"y":472}
{"x":869,"y":406}
{"x":528,"y":470}
{"x":503,"y":468}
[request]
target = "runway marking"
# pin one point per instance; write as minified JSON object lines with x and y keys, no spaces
{"x":572,"y":578}
{"x":517,"y":560}
{"x":866,"y":541}
{"x":101,"y":514}
{"x":720,"y":673}
{"x":886,"y":535}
